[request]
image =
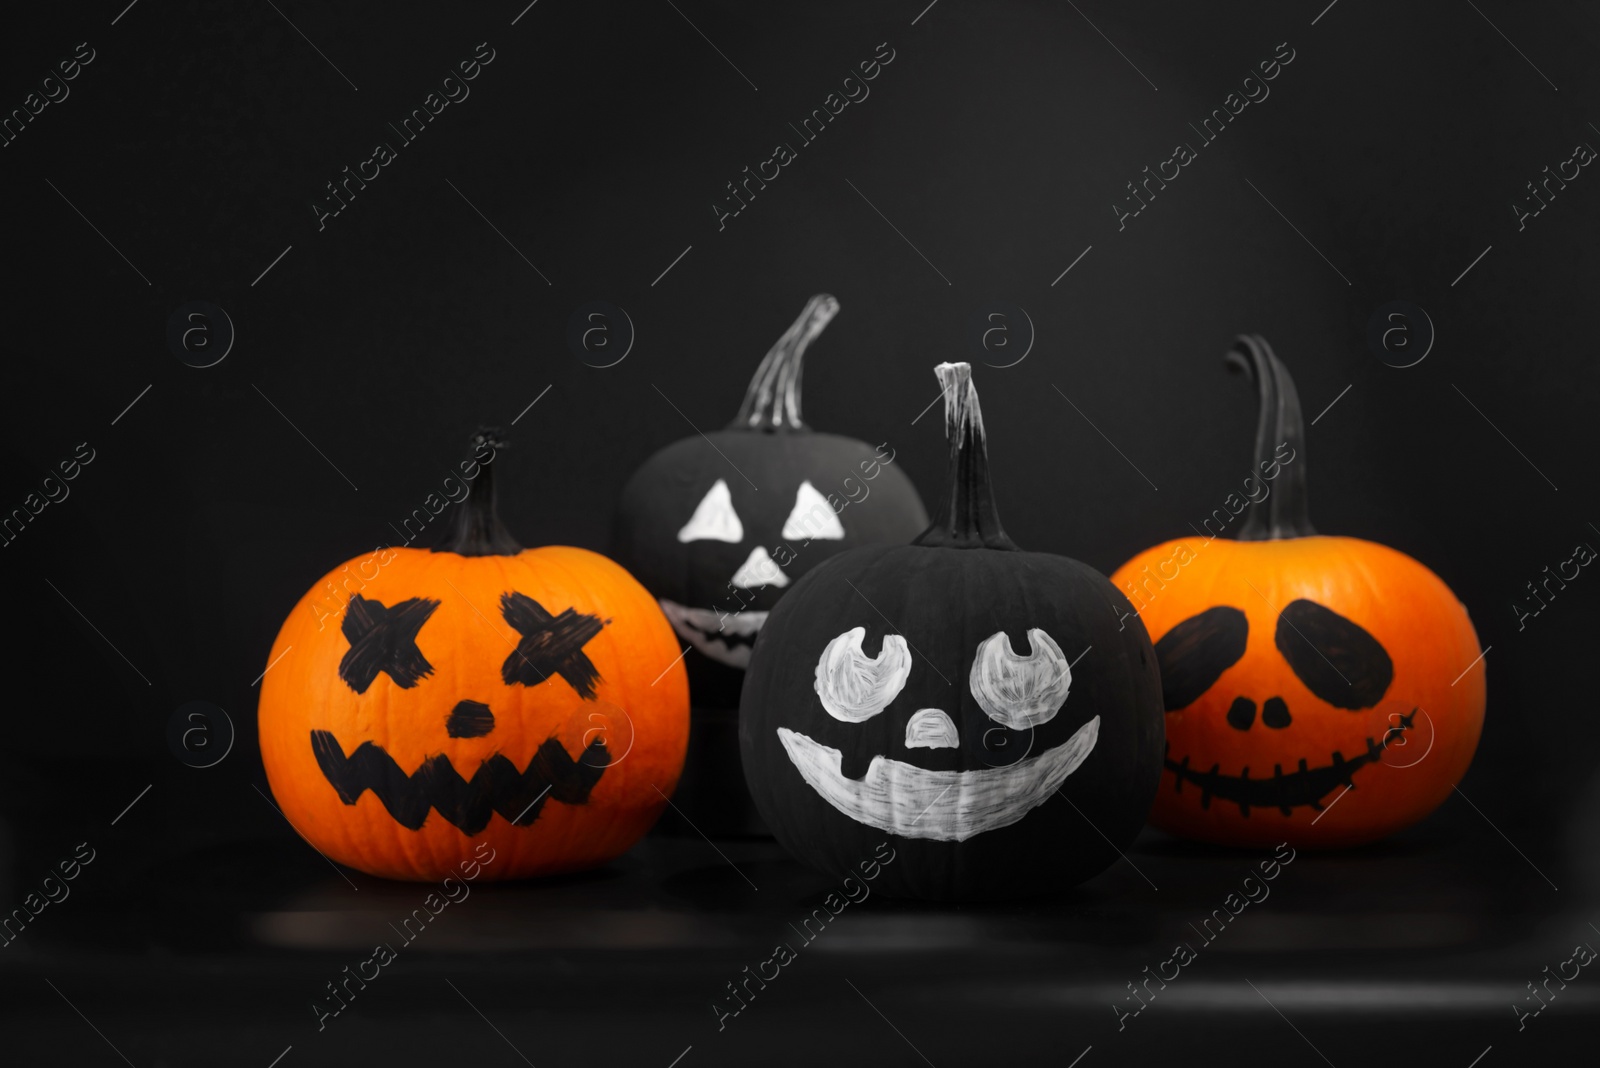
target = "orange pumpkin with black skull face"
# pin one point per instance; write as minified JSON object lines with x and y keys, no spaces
{"x":531,"y":699}
{"x":1323,"y":691}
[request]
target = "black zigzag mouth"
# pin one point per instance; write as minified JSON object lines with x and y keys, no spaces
{"x":1307,"y":786}
{"x":467,"y":804}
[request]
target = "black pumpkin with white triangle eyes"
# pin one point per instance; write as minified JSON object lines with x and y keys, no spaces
{"x":979,"y":708}
{"x":719,"y":525}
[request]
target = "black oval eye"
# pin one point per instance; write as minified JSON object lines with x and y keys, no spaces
{"x":1336,"y":659}
{"x":1196,"y":652}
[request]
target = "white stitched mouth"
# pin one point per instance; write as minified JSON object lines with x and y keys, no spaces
{"x":726,"y":637}
{"x":947,"y":806}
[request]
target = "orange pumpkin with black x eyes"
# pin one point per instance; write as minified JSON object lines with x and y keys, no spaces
{"x":531,"y":699}
{"x":1324,"y":691}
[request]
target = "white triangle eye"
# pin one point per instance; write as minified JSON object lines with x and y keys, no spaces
{"x":714,"y":518}
{"x":1020,"y":691}
{"x":759,"y":569}
{"x":812,"y":516}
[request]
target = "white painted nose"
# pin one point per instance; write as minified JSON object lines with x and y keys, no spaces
{"x":931,"y":728}
{"x":759,"y":569}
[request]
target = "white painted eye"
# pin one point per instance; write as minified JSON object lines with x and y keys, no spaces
{"x":1020,"y":691}
{"x":759,"y":569}
{"x":714,"y":518}
{"x":853,"y":686}
{"x":812,"y":516}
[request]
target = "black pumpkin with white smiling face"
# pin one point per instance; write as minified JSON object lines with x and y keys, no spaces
{"x":976,"y":704}
{"x":719,"y":525}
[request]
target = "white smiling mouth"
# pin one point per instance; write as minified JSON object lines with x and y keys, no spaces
{"x":947,"y":806}
{"x":726,"y":637}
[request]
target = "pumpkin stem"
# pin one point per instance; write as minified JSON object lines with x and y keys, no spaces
{"x":1279,"y":424}
{"x":967,"y":518}
{"x":772,"y":402}
{"x":477,"y":530}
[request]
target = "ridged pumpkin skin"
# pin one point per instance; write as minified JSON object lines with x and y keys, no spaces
{"x":1407,"y":608}
{"x":639,"y":712}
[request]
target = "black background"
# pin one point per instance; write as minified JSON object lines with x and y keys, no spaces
{"x":594,"y":146}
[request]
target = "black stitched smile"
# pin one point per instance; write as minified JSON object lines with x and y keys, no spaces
{"x":1307,"y":786}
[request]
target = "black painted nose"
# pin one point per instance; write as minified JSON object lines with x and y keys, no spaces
{"x":469,"y":719}
{"x":1242,"y":713}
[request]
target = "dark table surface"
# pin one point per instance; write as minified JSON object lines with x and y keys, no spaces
{"x":1415,"y":950}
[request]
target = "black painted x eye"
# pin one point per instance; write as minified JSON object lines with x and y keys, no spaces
{"x":549,"y":644}
{"x":1336,"y":659}
{"x":384,"y":640}
{"x":1196,"y":652}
